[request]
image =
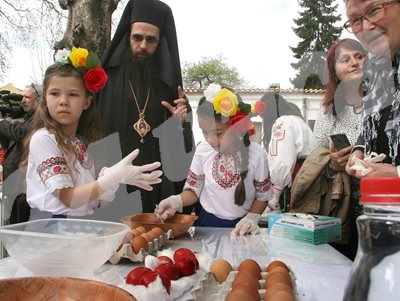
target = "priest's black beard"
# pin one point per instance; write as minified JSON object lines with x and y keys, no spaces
{"x":140,"y":73}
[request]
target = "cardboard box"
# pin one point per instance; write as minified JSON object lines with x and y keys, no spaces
{"x":313,"y":229}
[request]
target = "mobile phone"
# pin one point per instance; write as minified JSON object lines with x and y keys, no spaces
{"x":340,"y":141}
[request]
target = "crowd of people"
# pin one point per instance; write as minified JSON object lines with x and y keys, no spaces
{"x":228,"y":180}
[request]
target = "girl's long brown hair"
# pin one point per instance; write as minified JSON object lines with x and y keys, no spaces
{"x":89,"y":122}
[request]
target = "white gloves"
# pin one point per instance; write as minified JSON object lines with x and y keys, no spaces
{"x":273,"y":205}
{"x":126,"y":173}
{"x":248,"y":224}
{"x":169,"y":206}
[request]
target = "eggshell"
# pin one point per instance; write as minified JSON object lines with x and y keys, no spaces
{"x":276,"y":263}
{"x":141,"y":229}
{"x":158,"y":231}
{"x":147,"y":236}
{"x":245,"y":277}
{"x":135,"y":232}
{"x":238,"y":295}
{"x":277,"y":277}
{"x":139,"y":242}
{"x":250,"y":266}
{"x":220,"y":268}
{"x":282,"y":296}
{"x":276,"y":287}
{"x":279,"y":268}
{"x":249,"y":289}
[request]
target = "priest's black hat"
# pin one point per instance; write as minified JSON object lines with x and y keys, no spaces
{"x":167,"y":54}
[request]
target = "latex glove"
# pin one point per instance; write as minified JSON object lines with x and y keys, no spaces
{"x":126,"y":173}
{"x":169,"y":206}
{"x":248,"y":224}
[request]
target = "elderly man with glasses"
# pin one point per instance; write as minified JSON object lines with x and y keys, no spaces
{"x":376,"y":24}
{"x":12,"y":134}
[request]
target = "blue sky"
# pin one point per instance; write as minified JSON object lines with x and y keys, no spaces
{"x":253,"y":36}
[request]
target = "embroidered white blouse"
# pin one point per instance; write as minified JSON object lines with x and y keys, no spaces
{"x":49,"y":170}
{"x":214,"y":176}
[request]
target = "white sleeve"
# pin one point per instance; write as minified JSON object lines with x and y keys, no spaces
{"x":262,"y":180}
{"x":50,"y":162}
{"x":195,"y":178}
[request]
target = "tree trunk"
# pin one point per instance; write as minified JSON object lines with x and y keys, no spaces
{"x":89,"y":24}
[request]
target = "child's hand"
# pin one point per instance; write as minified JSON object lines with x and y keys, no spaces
{"x":126,"y":173}
{"x":248,"y":224}
{"x":168,"y":207}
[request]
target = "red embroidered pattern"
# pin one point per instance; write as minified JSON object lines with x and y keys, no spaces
{"x":194,"y":180}
{"x":80,"y":151}
{"x":52,"y":167}
{"x":226,"y":169}
{"x":263,"y":186}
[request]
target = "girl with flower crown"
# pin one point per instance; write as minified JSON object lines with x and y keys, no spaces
{"x":60,"y":172}
{"x":229,"y":174}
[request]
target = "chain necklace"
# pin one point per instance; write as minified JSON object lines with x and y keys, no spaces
{"x":141,"y":126}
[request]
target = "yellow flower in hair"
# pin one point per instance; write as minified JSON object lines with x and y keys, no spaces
{"x":78,"y":57}
{"x":226,"y":103}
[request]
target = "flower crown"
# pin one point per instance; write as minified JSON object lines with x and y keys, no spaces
{"x":226,"y":103}
{"x":87,"y":63}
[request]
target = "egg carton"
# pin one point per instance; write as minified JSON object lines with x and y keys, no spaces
{"x":126,"y":250}
{"x":209,"y":289}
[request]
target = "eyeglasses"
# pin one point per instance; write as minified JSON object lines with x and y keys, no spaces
{"x":139,"y":37}
{"x":372,"y":15}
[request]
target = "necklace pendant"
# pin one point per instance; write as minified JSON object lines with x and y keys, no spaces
{"x":141,"y":127}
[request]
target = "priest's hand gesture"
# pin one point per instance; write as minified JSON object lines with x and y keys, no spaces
{"x":180,"y":110}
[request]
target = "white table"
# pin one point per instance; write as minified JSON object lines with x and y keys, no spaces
{"x":321,"y":272}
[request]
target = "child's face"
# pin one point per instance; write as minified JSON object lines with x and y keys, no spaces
{"x":66,"y":100}
{"x":217,"y":134}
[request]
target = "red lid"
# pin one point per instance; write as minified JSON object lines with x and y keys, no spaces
{"x":380,"y":190}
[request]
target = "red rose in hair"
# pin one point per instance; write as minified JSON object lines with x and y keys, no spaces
{"x":95,"y":79}
{"x":240,"y":122}
{"x":260,"y":107}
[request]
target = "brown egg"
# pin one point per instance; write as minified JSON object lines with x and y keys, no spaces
{"x":276,"y":287}
{"x":220,"y":268}
{"x":245,"y":277}
{"x":278,"y":268}
{"x":147,"y":236}
{"x":135,"y":232}
{"x":277,"y":277}
{"x":157,"y":231}
{"x":250,"y":266}
{"x":139,"y":242}
{"x":282,"y":296}
{"x":238,"y":295}
{"x":249,"y":289}
{"x":141,"y":229}
{"x":276,"y":263}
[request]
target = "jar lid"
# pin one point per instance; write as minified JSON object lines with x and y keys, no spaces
{"x":380,"y":190}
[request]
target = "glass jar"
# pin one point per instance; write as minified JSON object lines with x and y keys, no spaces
{"x":375,"y":274}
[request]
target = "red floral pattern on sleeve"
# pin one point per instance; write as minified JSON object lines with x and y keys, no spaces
{"x":52,"y":167}
{"x":80,"y":150}
{"x":194,"y":180}
{"x":263,"y":186}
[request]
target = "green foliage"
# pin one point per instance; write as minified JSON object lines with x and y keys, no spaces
{"x":317,"y":32}
{"x":210,"y":70}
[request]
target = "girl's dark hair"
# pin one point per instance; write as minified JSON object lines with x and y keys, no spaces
{"x":332,"y":82}
{"x":276,"y":106}
{"x":206,"y":108}
{"x":89,"y":122}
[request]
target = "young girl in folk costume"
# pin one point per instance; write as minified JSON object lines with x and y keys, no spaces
{"x":229,"y":174}
{"x":60,"y":172}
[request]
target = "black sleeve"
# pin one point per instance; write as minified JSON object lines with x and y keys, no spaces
{"x":15,"y":131}
{"x":360,"y":144}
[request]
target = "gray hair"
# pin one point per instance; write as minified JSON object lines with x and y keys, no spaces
{"x":38,"y":90}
